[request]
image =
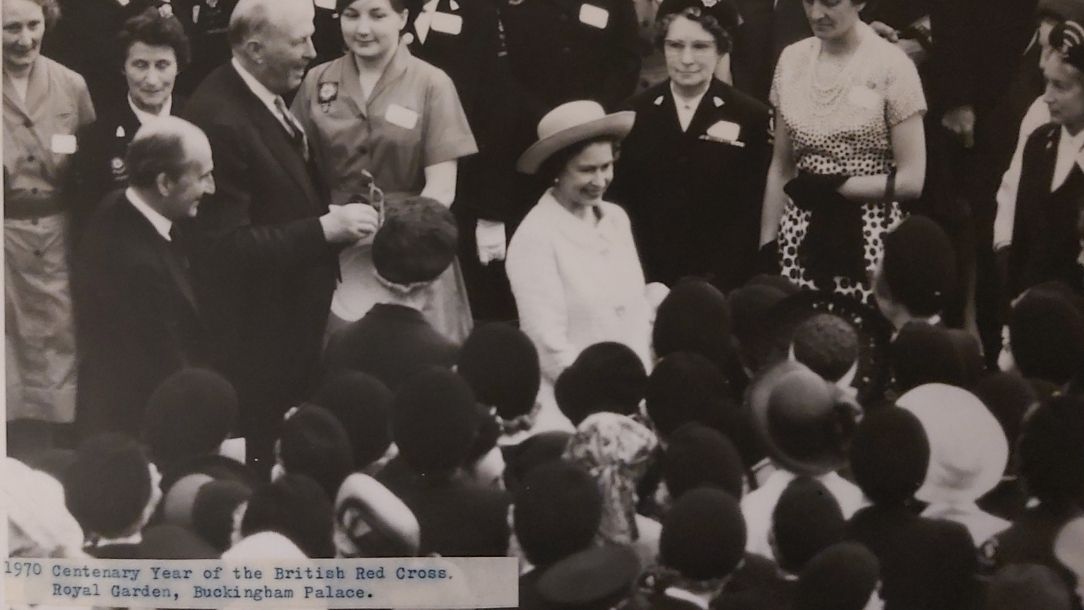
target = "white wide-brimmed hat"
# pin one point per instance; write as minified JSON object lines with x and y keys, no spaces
{"x":570,"y":123}
{"x":968,"y":448}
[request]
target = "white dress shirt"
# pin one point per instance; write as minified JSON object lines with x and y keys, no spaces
{"x":161,"y":224}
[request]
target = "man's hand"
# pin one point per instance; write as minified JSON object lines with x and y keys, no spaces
{"x":961,"y":121}
{"x":350,"y":223}
{"x":885,"y":31}
{"x":490,"y":238}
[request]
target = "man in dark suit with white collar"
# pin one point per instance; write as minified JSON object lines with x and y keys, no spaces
{"x":136,"y":310}
{"x":268,"y":240}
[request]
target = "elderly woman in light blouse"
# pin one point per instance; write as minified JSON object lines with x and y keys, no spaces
{"x":572,"y":263}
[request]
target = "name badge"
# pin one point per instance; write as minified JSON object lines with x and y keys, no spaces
{"x":594,"y":16}
{"x":403,"y":117}
{"x":864,"y":97}
{"x":725,"y":131}
{"x":63,"y":144}
{"x":328,"y":4}
{"x":447,"y":23}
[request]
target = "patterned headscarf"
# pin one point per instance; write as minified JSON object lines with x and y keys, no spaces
{"x":615,"y":450}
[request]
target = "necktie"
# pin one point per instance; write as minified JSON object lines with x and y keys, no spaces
{"x":293,"y":128}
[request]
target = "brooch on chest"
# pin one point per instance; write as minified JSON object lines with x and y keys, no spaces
{"x":327,"y":93}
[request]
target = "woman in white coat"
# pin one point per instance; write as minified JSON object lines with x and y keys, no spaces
{"x":572,"y":263}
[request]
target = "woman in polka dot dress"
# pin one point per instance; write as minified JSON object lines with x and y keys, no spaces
{"x":849,"y":144}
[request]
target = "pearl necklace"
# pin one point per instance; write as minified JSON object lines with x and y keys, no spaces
{"x":826,"y":96}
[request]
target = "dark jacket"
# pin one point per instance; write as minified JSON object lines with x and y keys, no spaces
{"x":136,"y":313}
{"x":264,"y":267}
{"x":926,"y":564}
{"x":694,"y":201}
{"x":1046,"y":242}
{"x":100,"y":159}
{"x":457,"y":519}
{"x":391,"y":343}
{"x":564,"y":50}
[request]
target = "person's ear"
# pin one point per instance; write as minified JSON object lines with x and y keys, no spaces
{"x":254,"y":50}
{"x":164,"y":184}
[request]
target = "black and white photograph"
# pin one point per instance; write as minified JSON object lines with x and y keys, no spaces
{"x":674,"y":304}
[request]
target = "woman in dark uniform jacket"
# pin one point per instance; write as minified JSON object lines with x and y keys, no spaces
{"x":691,"y":172}
{"x":154,"y":49}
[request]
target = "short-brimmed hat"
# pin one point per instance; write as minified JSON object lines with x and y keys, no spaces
{"x":606,"y":376}
{"x":924,"y":353}
{"x":722,"y":10}
{"x":212,"y":512}
{"x":362,"y":404}
{"x":501,"y":365}
{"x":805,"y":422}
{"x":806,"y":520}
{"x":435,"y":421}
{"x":919,"y":265}
{"x":598,"y":577}
{"x":570,"y":123}
{"x":556,"y":512}
{"x":315,"y":443}
{"x":703,"y":535}
{"x":871,"y":332}
{"x":370,"y":521}
{"x":842,"y":577}
{"x":699,"y":456}
{"x":890,"y":455}
{"x":189,"y":414}
{"x":109,"y":485}
{"x":968,"y":448}
{"x":1046,"y":331}
{"x":685,"y":387}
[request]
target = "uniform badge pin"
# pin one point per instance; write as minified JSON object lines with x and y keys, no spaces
{"x":120,"y":131}
{"x":117,"y":165}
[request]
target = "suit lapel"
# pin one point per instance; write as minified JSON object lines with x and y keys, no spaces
{"x":163,"y":248}
{"x":274,"y":136}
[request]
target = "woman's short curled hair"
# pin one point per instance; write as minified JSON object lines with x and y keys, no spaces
{"x":154,"y":29}
{"x":698,"y":15}
{"x":552,"y":167}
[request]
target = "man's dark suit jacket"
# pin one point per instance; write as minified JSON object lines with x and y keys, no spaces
{"x":264,"y":267}
{"x":137,"y":316}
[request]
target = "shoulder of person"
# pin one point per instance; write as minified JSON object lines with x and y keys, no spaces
{"x":646,"y":99}
{"x":797,"y":50}
{"x":745,"y":104}
{"x":64,"y":74}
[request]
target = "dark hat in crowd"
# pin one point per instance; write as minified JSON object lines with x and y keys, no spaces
{"x":189,"y":414}
{"x":1050,"y":455}
{"x":295,"y":506}
{"x":556,"y":512}
{"x":212,"y":512}
{"x":694,"y":317}
{"x":919,"y":265}
{"x":218,"y":467}
{"x":703,"y":535}
{"x":501,"y":365}
{"x":830,"y":333}
{"x":687,"y":387}
{"x":316,"y":444}
{"x":416,"y":243}
{"x":179,"y":498}
{"x":361,"y":403}
{"x":435,"y":421}
{"x":538,"y":449}
{"x":805,"y":422}
{"x":1027,"y":586}
{"x":842,"y":577}
{"x":606,"y":376}
{"x":1008,"y":396}
{"x":890,"y":455}
{"x":923,"y":353}
{"x":750,"y":309}
{"x":109,"y":486}
{"x":597,"y":578}
{"x":1046,"y":332}
{"x":168,"y":541}
{"x":806,"y":520}
{"x":697,"y":456}
{"x":722,"y":10}
{"x":1066,"y":10}
{"x":371,"y":521}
